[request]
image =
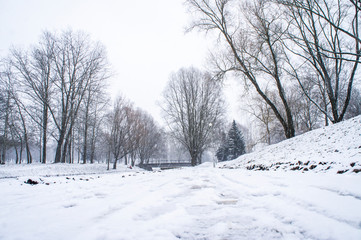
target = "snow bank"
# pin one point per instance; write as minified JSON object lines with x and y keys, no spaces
{"x":59,"y":169}
{"x":336,"y":148}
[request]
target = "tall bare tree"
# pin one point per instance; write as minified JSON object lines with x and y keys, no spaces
{"x":16,"y":118}
{"x":6,"y":90}
{"x":193,"y":107}
{"x":92,"y":113}
{"x":252,"y":37}
{"x":119,"y":137}
{"x":325,"y":37}
{"x":34,"y":73}
{"x":77,"y":62}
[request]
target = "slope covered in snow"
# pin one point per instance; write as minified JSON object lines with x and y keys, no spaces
{"x":336,"y":148}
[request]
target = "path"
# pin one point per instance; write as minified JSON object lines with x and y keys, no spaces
{"x":192,"y":203}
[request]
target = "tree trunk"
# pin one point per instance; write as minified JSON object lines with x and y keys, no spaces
{"x":6,"y":126}
{"x":21,"y":151}
{"x":193,"y":160}
{"x":59,"y":147}
{"x":108,"y":160}
{"x":45,"y":127}
{"x":26,"y":139}
{"x":126,"y":160}
{"x":85,"y":144}
{"x":16,"y":148}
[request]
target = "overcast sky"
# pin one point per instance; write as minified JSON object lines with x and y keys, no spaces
{"x":145,"y":39}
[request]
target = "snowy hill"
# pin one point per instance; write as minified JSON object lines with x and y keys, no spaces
{"x":336,"y":148}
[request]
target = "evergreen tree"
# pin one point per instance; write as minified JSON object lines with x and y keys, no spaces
{"x":236,"y":146}
{"x":232,"y":146}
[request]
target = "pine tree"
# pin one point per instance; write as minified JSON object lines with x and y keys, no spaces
{"x":232,"y":146}
{"x":236,"y":146}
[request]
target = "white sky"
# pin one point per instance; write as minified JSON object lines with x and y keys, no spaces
{"x":145,"y":40}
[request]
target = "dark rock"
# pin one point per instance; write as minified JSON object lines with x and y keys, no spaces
{"x":352,"y":164}
{"x":313,"y":167}
{"x":31,"y":182}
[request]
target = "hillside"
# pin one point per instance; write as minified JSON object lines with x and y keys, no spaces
{"x":336,"y":149}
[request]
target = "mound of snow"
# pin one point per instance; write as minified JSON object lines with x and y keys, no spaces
{"x":336,"y":148}
{"x":59,"y":169}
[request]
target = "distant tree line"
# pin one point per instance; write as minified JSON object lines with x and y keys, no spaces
{"x":131,"y":135}
{"x":299,"y":60}
{"x":55,"y":93}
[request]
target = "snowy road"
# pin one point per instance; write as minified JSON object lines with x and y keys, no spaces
{"x":194,"y":203}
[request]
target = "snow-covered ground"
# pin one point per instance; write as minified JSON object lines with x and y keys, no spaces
{"x":230,"y":202}
{"x":50,"y":170}
{"x":189,"y":203}
{"x":336,"y":148}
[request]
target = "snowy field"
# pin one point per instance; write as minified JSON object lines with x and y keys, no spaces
{"x":283,"y":201}
{"x":189,"y":203}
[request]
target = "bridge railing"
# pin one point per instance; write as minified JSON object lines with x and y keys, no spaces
{"x":167,"y":161}
{"x":164,"y":164}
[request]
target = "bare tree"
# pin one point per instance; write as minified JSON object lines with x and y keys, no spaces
{"x":15,"y":125}
{"x":270,"y":130}
{"x":119,"y":137}
{"x":324,"y":36}
{"x":193,"y":107}
{"x":252,"y":37}
{"x":51,"y":83}
{"x":77,"y":62}
{"x":34,"y":73}
{"x":150,"y":138}
{"x":355,"y":104}
{"x":92,"y":113}
{"x":6,"y":109}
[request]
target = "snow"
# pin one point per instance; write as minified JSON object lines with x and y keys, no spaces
{"x":190,"y":203}
{"x":88,"y":202}
{"x":46,"y":170}
{"x":336,"y":148}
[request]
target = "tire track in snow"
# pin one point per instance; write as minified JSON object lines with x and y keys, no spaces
{"x":293,"y":202}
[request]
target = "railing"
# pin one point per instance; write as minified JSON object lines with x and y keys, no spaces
{"x":165,"y":164}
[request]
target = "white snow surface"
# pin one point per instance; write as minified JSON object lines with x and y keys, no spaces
{"x":203,"y":203}
{"x":50,"y":170}
{"x":191,"y":203}
{"x":336,"y":148}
